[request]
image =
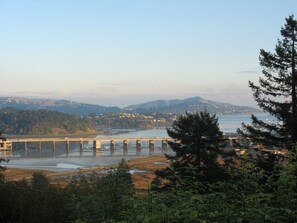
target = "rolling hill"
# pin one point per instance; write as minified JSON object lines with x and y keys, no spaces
{"x":42,"y":122}
{"x":65,"y":106}
{"x":193,"y":104}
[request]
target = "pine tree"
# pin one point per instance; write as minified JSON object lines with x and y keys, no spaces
{"x":196,"y":146}
{"x":276,"y":92}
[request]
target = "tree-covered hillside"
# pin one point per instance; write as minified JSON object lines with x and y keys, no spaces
{"x":194,"y":104}
{"x":40,"y":122}
{"x":65,"y":106}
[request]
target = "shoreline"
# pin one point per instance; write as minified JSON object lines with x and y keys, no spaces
{"x":142,"y":171}
{"x":66,"y":164}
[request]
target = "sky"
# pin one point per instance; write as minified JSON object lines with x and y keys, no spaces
{"x":123,"y":52}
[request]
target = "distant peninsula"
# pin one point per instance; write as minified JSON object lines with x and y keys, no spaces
{"x":42,"y":122}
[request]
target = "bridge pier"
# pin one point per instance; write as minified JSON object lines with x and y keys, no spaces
{"x":81,"y":144}
{"x":125,"y":147}
{"x":112,"y":147}
{"x":138,"y":147}
{"x":26,"y":149}
{"x":54,"y":149}
{"x":151,"y":146}
{"x":67,"y":148}
{"x":39,"y":148}
{"x":164,"y":146}
{"x":96,"y":148}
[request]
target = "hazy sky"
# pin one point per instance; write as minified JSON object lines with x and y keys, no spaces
{"x":124,"y":52}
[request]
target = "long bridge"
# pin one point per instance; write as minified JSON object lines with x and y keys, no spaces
{"x":26,"y":144}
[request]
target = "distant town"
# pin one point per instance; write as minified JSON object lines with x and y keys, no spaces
{"x":132,"y":120}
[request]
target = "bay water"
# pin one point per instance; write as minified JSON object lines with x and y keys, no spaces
{"x":227,"y":124}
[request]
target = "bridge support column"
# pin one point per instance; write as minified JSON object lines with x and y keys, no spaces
{"x":96,"y":148}
{"x":54,"y":149}
{"x":138,"y":147}
{"x":151,"y":146}
{"x":67,"y":148}
{"x":112,"y":147}
{"x":125,"y":147}
{"x":81,"y":143}
{"x":164,"y":145}
{"x":39,"y":148}
{"x":26,"y":149}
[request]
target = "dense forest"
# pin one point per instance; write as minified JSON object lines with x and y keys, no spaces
{"x":248,"y":193}
{"x":41,"y":122}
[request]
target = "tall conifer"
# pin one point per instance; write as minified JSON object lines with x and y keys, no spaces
{"x":276,"y":92}
{"x":197,"y":146}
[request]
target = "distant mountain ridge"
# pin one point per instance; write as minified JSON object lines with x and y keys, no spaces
{"x":65,"y":106}
{"x":175,"y":106}
{"x":194,"y":104}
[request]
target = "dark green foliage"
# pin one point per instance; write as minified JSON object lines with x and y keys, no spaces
{"x":89,"y":198}
{"x":39,"y":181}
{"x":286,"y":189}
{"x":107,"y":199}
{"x":14,"y":121}
{"x":245,"y":197}
{"x":38,"y":201}
{"x":197,"y":146}
{"x":276,"y":92}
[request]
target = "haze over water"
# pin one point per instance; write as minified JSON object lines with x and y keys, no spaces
{"x":227,"y":124}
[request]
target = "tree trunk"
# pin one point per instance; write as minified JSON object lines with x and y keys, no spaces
{"x":294,"y":100}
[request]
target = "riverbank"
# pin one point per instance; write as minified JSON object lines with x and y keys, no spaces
{"x":142,"y":169}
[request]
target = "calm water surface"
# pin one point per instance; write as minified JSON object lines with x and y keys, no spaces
{"x":227,"y":123}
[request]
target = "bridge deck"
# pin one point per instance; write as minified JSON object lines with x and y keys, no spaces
{"x":84,"y":139}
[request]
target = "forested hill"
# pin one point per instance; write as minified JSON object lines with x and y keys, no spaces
{"x":65,"y":106}
{"x":41,"y":122}
{"x":193,"y":104}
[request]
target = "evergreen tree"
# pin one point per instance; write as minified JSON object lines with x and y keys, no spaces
{"x":196,"y":146}
{"x":276,"y":92}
